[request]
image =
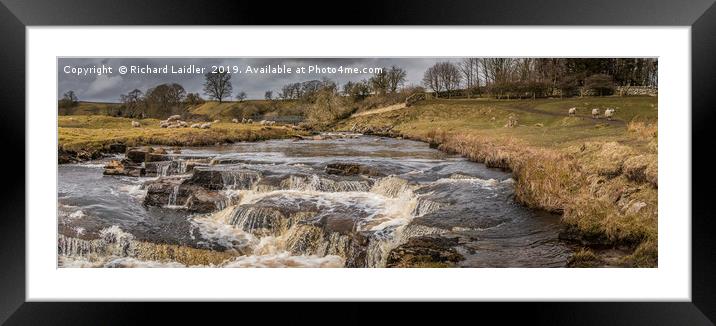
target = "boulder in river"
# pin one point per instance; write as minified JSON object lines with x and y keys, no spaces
{"x":425,"y":251}
{"x":216,"y":179}
{"x":124,"y":167}
{"x":117,"y":148}
{"x":174,"y":192}
{"x":346,"y":168}
{"x":146,"y":154}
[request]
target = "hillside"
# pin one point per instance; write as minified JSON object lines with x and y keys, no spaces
{"x":89,"y":108}
{"x":247,"y":109}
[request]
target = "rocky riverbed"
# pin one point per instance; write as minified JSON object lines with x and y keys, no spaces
{"x":335,"y":200}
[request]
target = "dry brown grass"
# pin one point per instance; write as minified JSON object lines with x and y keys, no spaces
{"x":585,"y":258}
{"x":92,"y":133}
{"x":644,"y":130}
{"x":603,"y":179}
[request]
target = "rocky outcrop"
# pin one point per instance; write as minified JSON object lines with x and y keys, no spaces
{"x":117,"y":148}
{"x":175,"y":192}
{"x":146,"y":154}
{"x":66,"y":156}
{"x":348,"y":169}
{"x":123,"y":168}
{"x":215,"y":179}
{"x":425,"y":251}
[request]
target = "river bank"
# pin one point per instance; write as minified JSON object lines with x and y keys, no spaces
{"x":83,"y":138}
{"x":601,"y":176}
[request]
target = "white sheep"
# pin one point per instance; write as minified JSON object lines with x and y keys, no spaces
{"x":609,"y":113}
{"x":206,"y":125}
{"x":135,"y":124}
{"x":243,"y":120}
{"x":216,"y":121}
{"x":174,"y":117}
{"x":182,"y":123}
{"x":249,"y":120}
{"x":234,"y":120}
{"x":196,"y":125}
{"x":572,"y":111}
{"x":595,"y":113}
{"x":263,"y":122}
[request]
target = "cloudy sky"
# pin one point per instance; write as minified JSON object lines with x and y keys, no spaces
{"x":107,"y":87}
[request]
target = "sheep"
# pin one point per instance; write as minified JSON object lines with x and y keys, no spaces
{"x":243,"y":120}
{"x":135,"y":124}
{"x":172,"y":126}
{"x":249,"y":121}
{"x":182,"y":124}
{"x":174,"y":117}
{"x":216,"y":121}
{"x":234,"y":120}
{"x":196,"y":125}
{"x":271,"y":123}
{"x":572,"y":111}
{"x":263,"y":122}
{"x":595,"y":113}
{"x":609,"y":113}
{"x":206,"y":125}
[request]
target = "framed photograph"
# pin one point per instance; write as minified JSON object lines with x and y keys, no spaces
{"x":473,"y":155}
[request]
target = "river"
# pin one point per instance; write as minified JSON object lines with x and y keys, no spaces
{"x":343,"y":201}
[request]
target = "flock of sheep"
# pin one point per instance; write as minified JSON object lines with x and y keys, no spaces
{"x":176,"y":122}
{"x":608,"y":113}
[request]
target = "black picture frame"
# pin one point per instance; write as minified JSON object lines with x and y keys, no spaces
{"x":700,"y":15}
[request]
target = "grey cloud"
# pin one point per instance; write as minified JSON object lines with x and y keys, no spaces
{"x":107,"y":88}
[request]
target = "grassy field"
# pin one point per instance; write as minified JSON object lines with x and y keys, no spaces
{"x":94,"y":133}
{"x":601,"y":175}
{"x":210,"y":109}
{"x":246,"y":109}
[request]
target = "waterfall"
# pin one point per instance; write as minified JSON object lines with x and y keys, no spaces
{"x":173,"y":197}
{"x":259,"y":220}
{"x":182,"y":164}
{"x":317,"y":183}
{"x":392,"y":187}
{"x":242,"y":179}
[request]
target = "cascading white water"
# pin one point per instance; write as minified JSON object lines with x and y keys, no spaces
{"x":284,"y":208}
{"x":173,"y":197}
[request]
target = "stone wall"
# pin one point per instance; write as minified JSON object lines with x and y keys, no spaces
{"x":636,"y":91}
{"x":619,"y":91}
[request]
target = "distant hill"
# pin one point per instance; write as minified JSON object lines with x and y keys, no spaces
{"x":210,"y":110}
{"x":89,"y":108}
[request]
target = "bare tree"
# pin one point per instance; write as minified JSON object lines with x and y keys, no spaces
{"x":193,"y":99}
{"x":218,"y":85}
{"x":448,"y":76}
{"x":380,"y":81}
{"x":69,"y":99}
{"x":395,"y":77}
{"x":132,"y":103}
{"x":241,"y":96}
{"x":497,"y":70}
{"x":268,"y":95}
{"x":357,"y":90}
{"x":431,"y":79}
{"x":469,"y":67}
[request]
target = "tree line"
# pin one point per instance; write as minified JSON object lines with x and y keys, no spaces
{"x":496,"y":77}
{"x":538,"y":77}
